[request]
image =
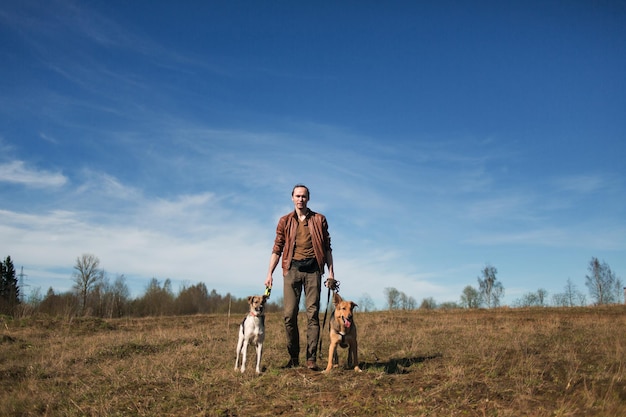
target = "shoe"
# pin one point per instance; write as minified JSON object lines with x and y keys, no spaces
{"x":293,"y":363}
{"x":312,"y":365}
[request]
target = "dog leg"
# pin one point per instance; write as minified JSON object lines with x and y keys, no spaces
{"x":332,"y":353}
{"x":350,"y":360}
{"x":355,"y":356}
{"x":259,"y":353}
{"x":244,"y":354}
{"x":244,"y":351}
{"x":239,"y":346}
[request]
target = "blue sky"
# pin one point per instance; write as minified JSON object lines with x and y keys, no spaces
{"x":437,"y":138}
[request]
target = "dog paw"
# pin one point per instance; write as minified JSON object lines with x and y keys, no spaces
{"x":357,"y":369}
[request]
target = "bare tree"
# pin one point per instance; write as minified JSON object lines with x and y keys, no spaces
{"x":533,"y":299}
{"x":618,"y":287}
{"x":570,"y":297}
{"x":470,"y":297}
{"x":393,"y":298}
{"x":542,"y":294}
{"x":410,"y":303}
{"x":116,"y":297}
{"x":491,"y":290}
{"x":602,"y":283}
{"x":366,"y":303}
{"x":398,"y":300}
{"x":407,"y":302}
{"x":428,"y":303}
{"x":87,"y":276}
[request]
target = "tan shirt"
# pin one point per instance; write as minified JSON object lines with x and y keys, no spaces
{"x":304,"y":244}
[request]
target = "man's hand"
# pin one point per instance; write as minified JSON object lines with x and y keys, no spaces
{"x":269,"y":281}
{"x":332,"y":284}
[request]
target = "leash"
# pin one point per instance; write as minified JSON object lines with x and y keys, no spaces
{"x":331,"y":284}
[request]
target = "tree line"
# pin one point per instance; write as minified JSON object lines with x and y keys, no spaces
{"x":602,"y":283}
{"x":94,"y":294}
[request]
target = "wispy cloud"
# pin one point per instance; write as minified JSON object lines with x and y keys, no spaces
{"x":600,"y":237}
{"x":543,"y":237}
{"x":48,"y":138}
{"x":514,"y":206}
{"x":105,"y":186}
{"x":18,"y":173}
{"x":583,"y":183}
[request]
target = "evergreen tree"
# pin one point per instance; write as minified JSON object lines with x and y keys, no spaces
{"x":2,"y":282}
{"x":9,"y":288}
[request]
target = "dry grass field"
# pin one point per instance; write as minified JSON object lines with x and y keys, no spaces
{"x":506,"y":362}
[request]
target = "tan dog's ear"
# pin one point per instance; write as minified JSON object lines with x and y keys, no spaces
{"x":265,"y":297}
{"x":250,"y":297}
{"x":354,"y":304}
{"x":337,"y":299}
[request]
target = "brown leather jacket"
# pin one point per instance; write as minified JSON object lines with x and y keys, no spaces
{"x":286,"y":238}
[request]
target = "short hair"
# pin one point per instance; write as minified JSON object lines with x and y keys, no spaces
{"x":308,"y":193}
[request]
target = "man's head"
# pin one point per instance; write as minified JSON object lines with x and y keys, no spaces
{"x":300,"y":196}
{"x":306,"y":189}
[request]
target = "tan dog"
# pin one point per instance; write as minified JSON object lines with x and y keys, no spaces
{"x":343,"y":333}
{"x":252,"y":330}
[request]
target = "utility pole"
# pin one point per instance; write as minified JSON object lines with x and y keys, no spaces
{"x":21,"y":277}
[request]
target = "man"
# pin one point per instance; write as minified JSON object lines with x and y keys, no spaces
{"x":303,"y":241}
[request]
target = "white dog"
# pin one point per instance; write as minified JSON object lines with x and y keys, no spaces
{"x":252,"y":330}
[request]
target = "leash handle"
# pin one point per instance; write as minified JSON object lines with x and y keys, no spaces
{"x":332,"y":284}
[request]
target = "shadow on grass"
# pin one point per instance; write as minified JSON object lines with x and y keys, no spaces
{"x":398,"y":366}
